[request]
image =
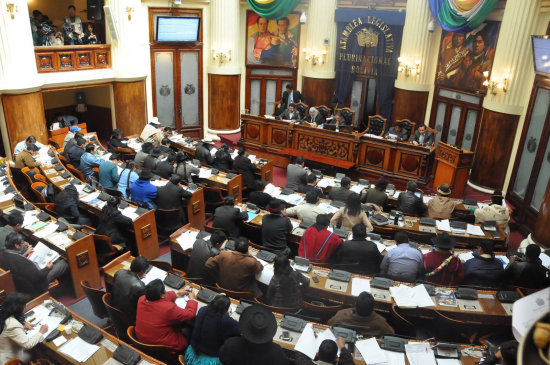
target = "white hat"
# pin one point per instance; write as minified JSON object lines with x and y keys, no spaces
{"x":155,"y":120}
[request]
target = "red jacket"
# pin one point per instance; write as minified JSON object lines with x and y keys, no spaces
{"x":450,"y":275}
{"x":311,"y":245}
{"x":159,"y":322}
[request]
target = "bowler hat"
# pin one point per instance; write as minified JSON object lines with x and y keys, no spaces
{"x":444,"y":241}
{"x":444,"y":189}
{"x":257,"y":324}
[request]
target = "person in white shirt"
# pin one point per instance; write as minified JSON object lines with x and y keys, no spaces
{"x":21,"y":146}
{"x":308,"y":210}
{"x":150,"y":129}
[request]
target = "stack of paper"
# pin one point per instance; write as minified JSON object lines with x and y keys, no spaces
{"x":358,"y":188}
{"x":294,"y":199}
{"x":79,"y":349}
{"x":371,"y":351}
{"x":205,"y":173}
{"x":29,"y":218}
{"x":474,"y":230}
{"x":426,"y":199}
{"x":154,"y":273}
{"x":88,"y":198}
{"x":308,"y":343}
{"x":327,"y":208}
{"x":159,"y":183}
{"x":443,"y":225}
{"x":187,"y":239}
{"x":359,"y":285}
{"x":130,"y":212}
{"x":46,"y":231}
{"x":406,"y":296}
{"x":420,"y":353}
{"x":6,"y":197}
{"x":270,"y":189}
{"x":325,"y":182}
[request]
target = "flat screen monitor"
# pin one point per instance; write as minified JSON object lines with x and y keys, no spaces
{"x":541,"y":53}
{"x":177,"y":29}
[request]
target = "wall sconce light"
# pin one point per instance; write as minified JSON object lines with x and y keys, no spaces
{"x":314,"y":57}
{"x":129,"y":10}
{"x":221,"y":56}
{"x":407,"y":69}
{"x":303,"y":18}
{"x":11,"y":7}
{"x":493,"y":86}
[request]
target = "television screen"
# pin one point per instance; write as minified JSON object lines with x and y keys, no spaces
{"x":541,"y":53}
{"x":177,"y":29}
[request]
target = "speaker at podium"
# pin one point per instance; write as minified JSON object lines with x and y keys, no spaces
{"x":452,"y":167}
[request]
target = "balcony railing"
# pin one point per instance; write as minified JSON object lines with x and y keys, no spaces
{"x":72,"y":58}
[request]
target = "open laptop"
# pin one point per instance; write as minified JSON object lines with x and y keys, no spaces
{"x":302,"y":264}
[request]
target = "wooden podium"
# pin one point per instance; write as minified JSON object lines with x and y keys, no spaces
{"x":452,"y":167}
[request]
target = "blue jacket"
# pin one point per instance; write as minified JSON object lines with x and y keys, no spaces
{"x":483,"y":271}
{"x":87,"y":162}
{"x":142,"y":191}
{"x":108,"y":174}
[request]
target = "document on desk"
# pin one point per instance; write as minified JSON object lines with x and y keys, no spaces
{"x":359,"y":285}
{"x":46,"y":230}
{"x":270,"y":189}
{"x":545,"y":259}
{"x":527,"y":310}
{"x":88,"y":198}
{"x":380,"y":246}
{"x":327,"y":208}
{"x":60,"y":239}
{"x":130,"y":212}
{"x":265,"y":275}
{"x":443,"y":225}
{"x":187,"y":239}
{"x":465,"y":256}
{"x":406,"y":296}
{"x":325,"y":182}
{"x":426,"y":199}
{"x":79,"y":349}
{"x":420,"y":353}
{"x":307,"y":343}
{"x":205,"y":173}
{"x":6,"y":197}
{"x":358,"y":188}
{"x":154,"y":273}
{"x":474,"y":230}
{"x":159,"y":183}
{"x":29,"y":218}
{"x":371,"y":351}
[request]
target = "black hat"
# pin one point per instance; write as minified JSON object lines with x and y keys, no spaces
{"x":257,"y":324}
{"x":444,"y":241}
{"x":145,"y":174}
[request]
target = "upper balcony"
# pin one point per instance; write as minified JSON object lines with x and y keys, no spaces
{"x":72,"y":58}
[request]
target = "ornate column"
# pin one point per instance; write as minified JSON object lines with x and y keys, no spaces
{"x":501,"y":111}
{"x":224,"y":74}
{"x":318,"y":80}
{"x":418,"y":44}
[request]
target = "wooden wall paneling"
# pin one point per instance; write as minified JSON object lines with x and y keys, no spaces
{"x":541,"y":234}
{"x":7,"y":285}
{"x":130,"y":106}
{"x":494,"y":147}
{"x":317,"y":91}
{"x":25,"y":116}
{"x":223,"y":101}
{"x":410,"y":105}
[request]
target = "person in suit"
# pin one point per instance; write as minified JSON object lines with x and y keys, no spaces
{"x":146,"y":149}
{"x":244,"y":166}
{"x":70,"y":143}
{"x":422,"y":136}
{"x":202,"y":153}
{"x":113,"y":223}
{"x":66,"y":206}
{"x":290,"y":114}
{"x":341,"y":193}
{"x":314,"y":117}
{"x":172,"y":195}
{"x":236,"y":270}
{"x":409,"y":203}
{"x":376,"y":195}
{"x":339,"y":120}
{"x":275,"y":226}
{"x":229,"y":217}
{"x":222,"y":159}
{"x":152,"y":160}
{"x":529,"y":272}
{"x":290,"y":96}
{"x":202,"y":251}
{"x":358,"y":254}
{"x":165,"y":168}
{"x":484,"y":269}
{"x":128,"y":287}
{"x":311,"y":180}
{"x":76,"y":151}
{"x":116,"y":140}
{"x":398,"y":131}
{"x":296,"y":174}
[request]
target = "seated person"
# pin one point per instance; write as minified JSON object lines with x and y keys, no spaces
{"x":71,"y":134}
{"x":397,"y":132}
{"x":76,"y":151}
{"x":484,"y":269}
{"x":296,"y":174}
{"x":116,"y":140}
{"x":150,"y":130}
{"x":15,"y":222}
{"x":128,"y":287}
{"x":158,"y":318}
{"x":90,"y":159}
{"x":223,"y":160}
{"x":255,"y":345}
{"x":376,"y":195}
{"x":307,"y":210}
{"x":202,"y":153}
{"x":403,"y":263}
{"x":259,"y":197}
{"x":318,"y":243}
{"x":527,"y":273}
{"x":108,"y":171}
{"x":153,"y":159}
{"x":146,"y":149}
{"x":26,"y":157}
{"x":19,"y":265}
{"x":350,"y":215}
{"x":66,"y":206}
{"x":275,"y":226}
{"x":185,"y":169}
{"x":311,"y":186}
{"x":63,"y":121}
{"x":314,"y":117}
{"x":23,"y":144}
{"x":441,"y":266}
{"x":236,"y":270}
{"x":290,"y":114}
{"x":423,"y":137}
{"x":165,"y":168}
{"x":362,"y":318}
{"x":213,"y":326}
{"x":342,"y":192}
{"x":70,"y":143}
{"x":14,"y":340}
{"x":496,"y":211}
{"x":328,"y":354}
{"x":127,"y":177}
{"x":165,"y":148}
{"x":142,"y":191}
{"x":172,"y":196}
{"x":285,"y":287}
{"x":506,"y":354}
{"x":157,"y":137}
{"x":243,"y":165}
{"x":114,"y":224}
{"x":202,"y":251}
{"x":339,"y":120}
{"x":358,"y":255}
{"x":229,"y":217}
{"x":409,"y":203}
{"x":442,"y":206}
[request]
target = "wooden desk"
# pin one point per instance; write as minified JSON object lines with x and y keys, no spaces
{"x":6,"y":284}
{"x":52,"y":352}
{"x":58,"y":135}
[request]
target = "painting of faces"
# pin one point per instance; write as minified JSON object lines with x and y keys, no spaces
{"x":465,"y":58}
{"x":272,"y":42}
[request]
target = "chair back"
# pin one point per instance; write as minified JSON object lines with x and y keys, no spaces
{"x":408,"y":126}
{"x":113,"y":192}
{"x":348,"y":115}
{"x":159,"y":352}
{"x":118,"y":318}
{"x":163,"y":265}
{"x":434,"y":132}
{"x":376,"y":125}
{"x":319,"y":309}
{"x":95,"y":296}
{"x":50,"y":209}
{"x":29,"y":174}
{"x":323,"y":110}
{"x":302,"y":109}
{"x":168,"y":220}
{"x":213,"y":197}
{"x":235,"y":294}
{"x":39,"y":177}
{"x":125,"y":153}
{"x":79,"y":175}
{"x":272,"y":308}
{"x":36,"y":189}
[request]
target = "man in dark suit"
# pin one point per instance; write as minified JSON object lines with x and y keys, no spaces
{"x":290,"y":97}
{"x":229,"y":217}
{"x":290,"y":114}
{"x":361,"y":255}
{"x":423,"y":137}
{"x":128,"y":287}
{"x":202,"y":251}
{"x":409,"y":203}
{"x":202,"y":153}
{"x":341,"y":193}
{"x":171,"y":195}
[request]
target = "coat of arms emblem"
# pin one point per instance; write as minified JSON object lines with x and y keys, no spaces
{"x":164,"y":90}
{"x":367,"y":37}
{"x":189,"y":89}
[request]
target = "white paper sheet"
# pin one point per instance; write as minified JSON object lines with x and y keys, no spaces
{"x":327,"y":208}
{"x":406,"y":296}
{"x":205,"y":173}
{"x":381,"y":247}
{"x":307,"y":343}
{"x":448,"y":362}
{"x":46,"y":230}
{"x":474,"y":230}
{"x":187,"y":239}
{"x":265,"y":275}
{"x":371,"y":351}
{"x":6,"y":197}
{"x":159,"y":183}
{"x":465,"y":256}
{"x":527,"y":310}
{"x":545,"y":259}
{"x":154,"y":273}
{"x":79,"y":349}
{"x":59,"y":341}
{"x":359,"y":285}
{"x":60,"y":239}
{"x":420,"y":353}
{"x":42,"y":254}
{"x":325,"y":182}
{"x":392,"y":358}
{"x":357,"y":188}
{"x":88,"y":198}
{"x":505,"y":260}
{"x":443,"y":225}
{"x":130,"y":212}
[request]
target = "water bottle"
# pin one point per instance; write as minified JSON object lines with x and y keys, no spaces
{"x":396,"y":219}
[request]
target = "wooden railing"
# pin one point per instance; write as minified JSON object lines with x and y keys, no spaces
{"x":72,"y":58}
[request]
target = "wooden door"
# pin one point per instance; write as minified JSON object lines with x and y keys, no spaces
{"x":264,"y":86}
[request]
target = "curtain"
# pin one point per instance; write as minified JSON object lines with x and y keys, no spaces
{"x":461,"y":15}
{"x":273,"y":9}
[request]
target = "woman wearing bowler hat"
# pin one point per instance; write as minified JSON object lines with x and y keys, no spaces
{"x":441,"y":265}
{"x":442,"y":205}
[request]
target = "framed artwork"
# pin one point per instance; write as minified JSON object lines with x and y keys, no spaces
{"x":272,"y":42}
{"x":465,"y":58}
